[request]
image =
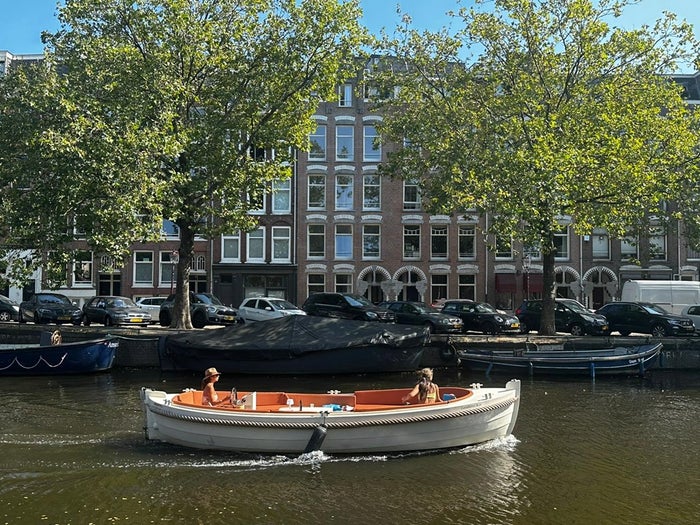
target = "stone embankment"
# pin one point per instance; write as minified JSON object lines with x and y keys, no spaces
{"x":139,"y":347}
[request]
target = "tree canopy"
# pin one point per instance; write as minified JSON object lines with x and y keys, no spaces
{"x":542,"y":114}
{"x":154,"y":109}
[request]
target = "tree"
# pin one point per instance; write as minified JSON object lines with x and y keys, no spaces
{"x":156,"y":109}
{"x":559,"y":119}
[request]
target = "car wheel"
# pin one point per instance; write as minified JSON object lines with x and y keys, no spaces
{"x":489,"y":329}
{"x":524,"y":328}
{"x":199,"y":320}
{"x":86,"y":320}
{"x":5,"y":316}
{"x":658,"y":330}
{"x":164,"y":319}
{"x":577,"y":330}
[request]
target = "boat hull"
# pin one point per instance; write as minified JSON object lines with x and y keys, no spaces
{"x":67,"y":358}
{"x":488,"y":414}
{"x":621,"y":360}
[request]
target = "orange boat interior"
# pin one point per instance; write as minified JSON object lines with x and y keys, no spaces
{"x":358,"y":401}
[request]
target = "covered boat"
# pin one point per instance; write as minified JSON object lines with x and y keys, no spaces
{"x":619,"y":360}
{"x":299,"y":344}
{"x":364,"y":421}
{"x":59,"y":358}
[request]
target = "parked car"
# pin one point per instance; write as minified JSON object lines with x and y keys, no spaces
{"x":693,"y":312}
{"x":412,"y":312}
{"x":346,"y":306}
{"x":265,"y":308}
{"x":49,"y":308}
{"x":481,"y":317}
{"x":114,"y":310}
{"x":569,"y":316}
{"x":645,"y":318}
{"x":151,"y":305}
{"x":9,"y":310}
{"x":205,"y":308}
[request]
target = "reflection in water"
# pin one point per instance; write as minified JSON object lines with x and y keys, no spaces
{"x":611,"y":451}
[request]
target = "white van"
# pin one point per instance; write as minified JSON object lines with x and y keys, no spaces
{"x":671,"y":295}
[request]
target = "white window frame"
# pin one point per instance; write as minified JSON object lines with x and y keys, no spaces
{"x":166,"y":268}
{"x":371,"y":151}
{"x":371,"y":186}
{"x":319,"y":138}
{"x":140,"y":264}
{"x":465,"y":234}
{"x":344,"y":137}
{"x":170,"y":230}
{"x":226,"y":240}
{"x":319,"y":231}
{"x":439,"y":232}
{"x":561,"y":241}
{"x":411,"y":231}
{"x":83,"y":266}
{"x":411,"y":205}
{"x":257,"y":236}
{"x":343,"y":282}
{"x":315,"y":287}
{"x":344,"y":191}
{"x":281,"y":244}
{"x":371,"y":231}
{"x":312,"y":183}
{"x":343,"y":234}
{"x":282,"y":196}
{"x":345,"y":95}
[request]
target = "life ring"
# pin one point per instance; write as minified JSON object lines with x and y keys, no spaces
{"x":56,"y":338}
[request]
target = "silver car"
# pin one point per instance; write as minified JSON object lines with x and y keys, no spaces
{"x":265,"y":308}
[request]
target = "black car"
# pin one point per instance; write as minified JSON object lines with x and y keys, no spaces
{"x":49,"y":308}
{"x":646,"y":318}
{"x":481,"y":317}
{"x":9,"y":310}
{"x":346,"y":306}
{"x":114,"y":310}
{"x":205,"y":309}
{"x":411,"y":312}
{"x":569,"y":316}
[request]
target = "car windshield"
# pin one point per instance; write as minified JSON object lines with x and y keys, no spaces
{"x":575,"y":306}
{"x":121,"y":302}
{"x":281,"y":304}
{"x":654,"y":308}
{"x":54,"y":299}
{"x":208,"y":298}
{"x":357,"y":300}
{"x":485,"y":308}
{"x":425,"y":309}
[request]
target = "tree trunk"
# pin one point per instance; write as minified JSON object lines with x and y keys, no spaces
{"x":181,"y":308}
{"x":547,"y":326}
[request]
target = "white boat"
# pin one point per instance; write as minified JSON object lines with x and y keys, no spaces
{"x":365,"y":421}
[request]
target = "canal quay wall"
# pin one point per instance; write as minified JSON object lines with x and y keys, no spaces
{"x":139,"y":347}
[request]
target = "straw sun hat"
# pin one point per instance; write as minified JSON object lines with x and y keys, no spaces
{"x":210,"y":372}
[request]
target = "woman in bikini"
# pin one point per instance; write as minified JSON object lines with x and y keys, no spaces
{"x":425,"y":390}
{"x":209,"y":395}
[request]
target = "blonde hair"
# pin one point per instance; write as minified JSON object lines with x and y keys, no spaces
{"x":424,"y":383}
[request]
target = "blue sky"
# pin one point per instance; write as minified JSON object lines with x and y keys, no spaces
{"x":22,"y":21}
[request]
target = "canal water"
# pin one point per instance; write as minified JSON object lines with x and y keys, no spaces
{"x":609,"y":451}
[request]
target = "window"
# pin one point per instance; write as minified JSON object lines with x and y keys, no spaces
{"x":82,"y":269}
{"x":318,"y":143}
{"x":167,"y":266}
{"x":438,"y":242}
{"x":345,"y":96}
{"x":628,"y":248}
{"x":316,"y":241}
{"x":561,"y":244}
{"x":343,"y":283}
{"x":467,"y":242}
{"x":281,"y":244}
{"x":372,"y":148}
{"x":411,"y":195}
{"x":371,"y":241}
{"x":317,"y":192}
{"x":256,"y":202}
{"x":256,"y":246}
{"x":467,"y":287}
{"x":411,"y":242}
{"x":231,"y":248}
{"x":343,"y":241}
{"x":657,"y":245}
{"x":600,"y":244}
{"x":170,"y":230}
{"x":343,"y":192}
{"x":143,"y":268}
{"x":315,"y":283}
{"x":504,"y":248}
{"x":344,"y":143}
{"x":282,"y":196}
{"x":371,"y":192}
{"x":438,"y":287}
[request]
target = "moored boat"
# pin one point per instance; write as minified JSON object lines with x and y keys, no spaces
{"x":299,"y":344}
{"x":59,"y":358}
{"x":364,"y":421}
{"x":619,"y":360}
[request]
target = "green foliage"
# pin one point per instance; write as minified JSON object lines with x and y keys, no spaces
{"x":556,"y":114}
